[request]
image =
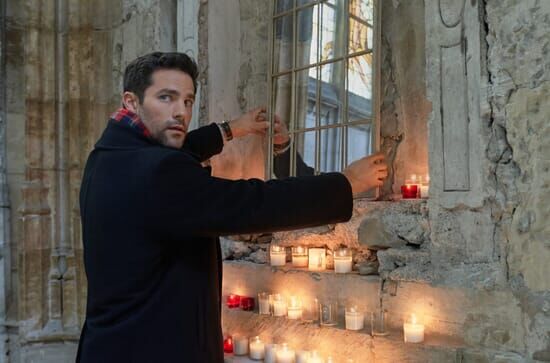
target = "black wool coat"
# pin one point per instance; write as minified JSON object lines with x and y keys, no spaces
{"x":151,"y":217}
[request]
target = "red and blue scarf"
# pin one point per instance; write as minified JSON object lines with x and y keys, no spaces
{"x":127,"y":117}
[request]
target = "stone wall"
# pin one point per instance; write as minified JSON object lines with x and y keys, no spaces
{"x":472,"y":260}
{"x":64,"y":63}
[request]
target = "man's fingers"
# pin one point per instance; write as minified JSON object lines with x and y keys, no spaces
{"x":377,"y":157}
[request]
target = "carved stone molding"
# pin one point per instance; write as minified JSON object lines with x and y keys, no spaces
{"x":456,"y":90}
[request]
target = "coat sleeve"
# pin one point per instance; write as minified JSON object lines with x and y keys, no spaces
{"x":187,"y":201}
{"x":205,"y":142}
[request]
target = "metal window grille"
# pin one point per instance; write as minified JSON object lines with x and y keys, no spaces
{"x":323,"y":80}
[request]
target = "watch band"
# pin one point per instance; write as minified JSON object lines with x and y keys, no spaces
{"x":227,"y":130}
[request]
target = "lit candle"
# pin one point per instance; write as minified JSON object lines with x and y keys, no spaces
{"x":294,"y":308}
{"x":263,"y":303}
{"x":240,"y":345}
{"x":271,"y":353}
{"x":247,"y":303}
{"x":413,"y":332}
{"x":233,"y":301}
{"x":299,"y":256}
{"x":257,"y":348}
{"x":302,"y":356}
{"x":355,"y":319}
{"x":228,"y":344}
{"x":277,"y":255}
{"x":315,"y":358}
{"x":425,"y":187}
{"x":279,"y":305}
{"x":409,"y":191}
{"x":285,"y":354}
{"x":342,"y":261}
{"x":317,"y":259}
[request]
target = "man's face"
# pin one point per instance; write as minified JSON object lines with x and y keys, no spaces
{"x":167,"y":106}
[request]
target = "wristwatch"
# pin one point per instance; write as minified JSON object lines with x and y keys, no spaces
{"x":226,"y":129}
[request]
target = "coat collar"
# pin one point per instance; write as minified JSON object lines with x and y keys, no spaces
{"x":118,"y":136}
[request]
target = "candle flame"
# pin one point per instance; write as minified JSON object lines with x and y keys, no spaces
{"x":413,"y":319}
{"x":413,"y":177}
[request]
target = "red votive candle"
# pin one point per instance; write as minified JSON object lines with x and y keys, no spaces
{"x":247,"y":303}
{"x":228,"y":345}
{"x":409,"y":191}
{"x":233,"y":301}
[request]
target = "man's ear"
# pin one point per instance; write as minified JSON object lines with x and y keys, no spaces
{"x":130,"y":101}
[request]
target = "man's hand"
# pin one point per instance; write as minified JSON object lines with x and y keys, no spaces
{"x":280,"y":132}
{"x":366,"y":173}
{"x":252,"y":122}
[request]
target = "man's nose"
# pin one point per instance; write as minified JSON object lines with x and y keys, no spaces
{"x":182,"y":113}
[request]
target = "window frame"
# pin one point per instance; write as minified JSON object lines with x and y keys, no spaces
{"x":375,"y":91}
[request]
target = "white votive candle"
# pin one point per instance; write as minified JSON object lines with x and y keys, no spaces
{"x":271,"y":353}
{"x":263,"y":303}
{"x":302,"y":356}
{"x":294,"y":309}
{"x":355,"y":319}
{"x":413,"y":331}
{"x":285,"y":354}
{"x":299,"y":256}
{"x":277,"y":255}
{"x":317,"y":259}
{"x":240,"y":345}
{"x":424,"y":190}
{"x":343,"y":261}
{"x":279,"y":305}
{"x":256,"y":348}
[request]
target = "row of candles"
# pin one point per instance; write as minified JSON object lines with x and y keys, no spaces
{"x":315,"y":259}
{"x":256,"y":349}
{"x":416,"y":187}
{"x":326,"y":313}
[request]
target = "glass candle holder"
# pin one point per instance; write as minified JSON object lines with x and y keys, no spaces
{"x":233,"y":301}
{"x":271,"y":353}
{"x":328,"y":313}
{"x":355,"y":319}
{"x":294,"y":308}
{"x":302,"y":356}
{"x":409,"y":191}
{"x":285,"y":354}
{"x":256,"y":348}
{"x":378,"y":323}
{"x":247,"y":303}
{"x":413,"y":331}
{"x":315,"y":357}
{"x":343,"y":260}
{"x":240,"y":345}
{"x":317,"y":259}
{"x":278,"y":305}
{"x":263,"y":303}
{"x":277,"y":255}
{"x":228,"y":344}
{"x":310,"y":310}
{"x":299,"y":256}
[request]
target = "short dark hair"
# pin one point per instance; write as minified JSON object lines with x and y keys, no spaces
{"x":137,"y":75}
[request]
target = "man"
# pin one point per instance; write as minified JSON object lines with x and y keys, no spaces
{"x":151,"y":217}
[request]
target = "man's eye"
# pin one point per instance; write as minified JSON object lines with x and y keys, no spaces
{"x":189,"y":103}
{"x":165,"y":97}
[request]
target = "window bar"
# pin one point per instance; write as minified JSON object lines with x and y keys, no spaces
{"x":377,"y":38}
{"x":344,"y":153}
{"x":318,"y":90}
{"x":269,"y":173}
{"x":293,"y":111}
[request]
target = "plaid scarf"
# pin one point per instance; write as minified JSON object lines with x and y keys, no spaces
{"x":127,"y":117}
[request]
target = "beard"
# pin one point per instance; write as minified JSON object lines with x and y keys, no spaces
{"x":159,"y":131}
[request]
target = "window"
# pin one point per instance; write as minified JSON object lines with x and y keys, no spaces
{"x":322,"y":83}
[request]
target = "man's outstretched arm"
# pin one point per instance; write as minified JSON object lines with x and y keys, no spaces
{"x":208,"y":141}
